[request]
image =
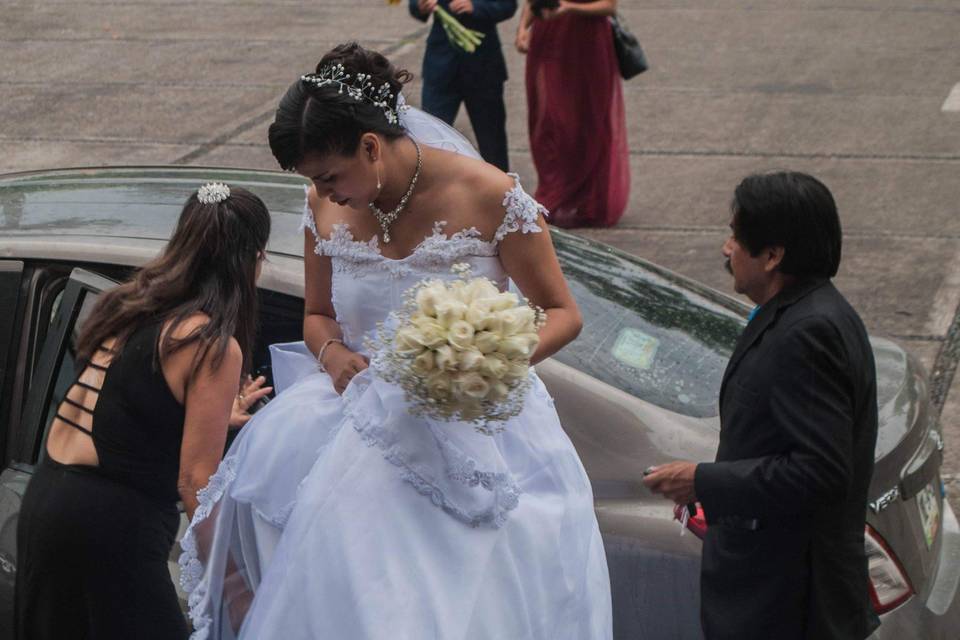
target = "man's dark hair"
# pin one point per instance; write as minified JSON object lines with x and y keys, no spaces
{"x":791,"y":210}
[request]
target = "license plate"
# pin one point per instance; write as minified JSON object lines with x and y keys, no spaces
{"x":929,"y":513}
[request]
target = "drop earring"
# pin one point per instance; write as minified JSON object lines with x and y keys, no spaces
{"x":379,"y":186}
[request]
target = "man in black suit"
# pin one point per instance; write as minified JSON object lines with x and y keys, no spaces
{"x":786,"y":499}
{"x":452,"y":76}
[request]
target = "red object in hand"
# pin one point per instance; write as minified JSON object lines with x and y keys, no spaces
{"x":697,"y":523}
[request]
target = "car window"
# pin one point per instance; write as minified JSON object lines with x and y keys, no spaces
{"x":644,"y":334}
{"x":67,"y":372}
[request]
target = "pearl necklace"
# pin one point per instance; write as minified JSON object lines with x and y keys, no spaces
{"x":386,"y":219}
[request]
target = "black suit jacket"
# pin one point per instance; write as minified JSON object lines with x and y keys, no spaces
{"x":786,"y":498}
{"x":443,"y":64}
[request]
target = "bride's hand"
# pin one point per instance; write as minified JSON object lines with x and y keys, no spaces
{"x":342,"y":364}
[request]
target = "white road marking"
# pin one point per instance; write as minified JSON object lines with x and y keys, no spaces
{"x":952,"y":103}
{"x":946,"y":300}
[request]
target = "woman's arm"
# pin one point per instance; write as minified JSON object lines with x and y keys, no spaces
{"x":320,"y":318}
{"x":531,"y":262}
{"x":208,"y":402}
{"x":523,"y":31}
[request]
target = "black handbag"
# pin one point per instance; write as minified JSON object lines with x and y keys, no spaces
{"x":630,"y":56}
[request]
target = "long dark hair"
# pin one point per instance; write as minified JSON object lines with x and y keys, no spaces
{"x":324,"y":120}
{"x":209,"y":266}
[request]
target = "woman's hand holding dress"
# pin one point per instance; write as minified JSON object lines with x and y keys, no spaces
{"x":342,"y":365}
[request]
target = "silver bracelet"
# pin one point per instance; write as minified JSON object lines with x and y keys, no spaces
{"x":324,"y":348}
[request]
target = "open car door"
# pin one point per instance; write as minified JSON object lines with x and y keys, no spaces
{"x":55,"y":372}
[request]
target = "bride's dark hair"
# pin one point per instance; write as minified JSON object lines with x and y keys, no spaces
{"x":324,"y":120}
{"x":209,"y":266}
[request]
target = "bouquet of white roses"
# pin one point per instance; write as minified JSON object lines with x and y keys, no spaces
{"x":461,"y":350}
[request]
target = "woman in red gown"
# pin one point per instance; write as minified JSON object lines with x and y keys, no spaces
{"x":578,"y":133}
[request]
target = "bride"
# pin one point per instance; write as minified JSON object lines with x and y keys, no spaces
{"x":338,"y":514}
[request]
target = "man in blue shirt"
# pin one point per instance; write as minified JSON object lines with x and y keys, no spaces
{"x":452,"y":76}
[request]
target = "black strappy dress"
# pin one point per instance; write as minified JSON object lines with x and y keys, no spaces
{"x":93,"y":541}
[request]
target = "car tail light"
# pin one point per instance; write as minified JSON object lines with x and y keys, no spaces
{"x":697,"y":523}
{"x":889,"y":586}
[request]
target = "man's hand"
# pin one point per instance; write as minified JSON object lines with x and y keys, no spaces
{"x":462,"y":6}
{"x":674,"y":480}
{"x":426,"y":7}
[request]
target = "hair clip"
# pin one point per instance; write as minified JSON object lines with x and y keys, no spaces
{"x":213,"y":193}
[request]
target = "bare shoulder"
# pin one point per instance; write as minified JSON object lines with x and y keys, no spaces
{"x":475,"y":190}
{"x":189,"y":325}
{"x":486,"y":183}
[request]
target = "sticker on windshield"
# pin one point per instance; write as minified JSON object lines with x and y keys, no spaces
{"x":929,"y":514}
{"x":635,"y":348}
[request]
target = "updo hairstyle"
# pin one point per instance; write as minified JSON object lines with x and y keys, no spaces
{"x":324,"y":120}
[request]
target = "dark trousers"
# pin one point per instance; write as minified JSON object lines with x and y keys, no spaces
{"x":486,"y":109}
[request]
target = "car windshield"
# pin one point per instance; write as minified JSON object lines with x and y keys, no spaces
{"x":644,"y":333}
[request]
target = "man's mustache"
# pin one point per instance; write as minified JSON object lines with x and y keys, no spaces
{"x":726,"y":265}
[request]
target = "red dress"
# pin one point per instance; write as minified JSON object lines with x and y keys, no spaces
{"x":578,"y":132}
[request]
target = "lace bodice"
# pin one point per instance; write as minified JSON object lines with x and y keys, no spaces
{"x":367,"y":285}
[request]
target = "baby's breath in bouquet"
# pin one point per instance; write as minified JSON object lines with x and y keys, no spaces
{"x":461,"y":350}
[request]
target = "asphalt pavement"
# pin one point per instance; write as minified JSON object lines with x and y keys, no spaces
{"x":864,"y":94}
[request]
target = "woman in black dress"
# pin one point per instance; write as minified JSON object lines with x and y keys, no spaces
{"x":143,"y":427}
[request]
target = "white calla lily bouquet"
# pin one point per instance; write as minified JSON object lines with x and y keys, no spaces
{"x":461,"y":350}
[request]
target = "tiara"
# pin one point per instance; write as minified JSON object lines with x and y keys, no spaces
{"x":359,"y":87}
{"x":213,"y":193}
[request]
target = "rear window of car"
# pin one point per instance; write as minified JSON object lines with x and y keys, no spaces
{"x":644,"y":334}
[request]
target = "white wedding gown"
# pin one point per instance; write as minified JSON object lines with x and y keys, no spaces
{"x":348,"y":519}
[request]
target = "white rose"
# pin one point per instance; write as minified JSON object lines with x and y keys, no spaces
{"x":450,"y":311}
{"x":512,"y":320}
{"x":472,"y":385}
{"x":460,"y":335}
{"x":515,"y":347}
{"x":527,"y":319}
{"x":423,"y":363}
{"x":429,"y":295}
{"x":408,"y":341}
{"x":486,"y":341}
{"x":439,"y":386}
{"x":533,"y":339}
{"x":478,"y":312}
{"x":494,"y":365}
{"x":432,"y":332}
{"x":478,"y":289}
{"x":445,"y":358}
{"x":469,"y":359}
{"x":498,"y":391}
{"x":503,"y":301}
{"x":493,"y":324}
{"x":517,"y":369}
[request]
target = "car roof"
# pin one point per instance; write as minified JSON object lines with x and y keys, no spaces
{"x":138,"y":203}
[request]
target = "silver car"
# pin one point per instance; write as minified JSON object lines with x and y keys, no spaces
{"x":638,"y":387}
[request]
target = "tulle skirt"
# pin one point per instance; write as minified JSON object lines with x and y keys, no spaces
{"x":348,"y":518}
